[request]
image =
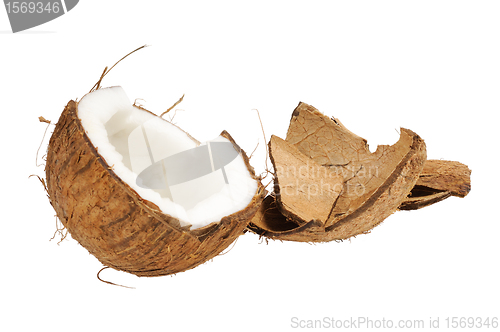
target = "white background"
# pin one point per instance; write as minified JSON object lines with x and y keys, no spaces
{"x":430,"y":66}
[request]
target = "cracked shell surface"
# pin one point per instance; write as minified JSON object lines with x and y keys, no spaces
{"x":374,"y":184}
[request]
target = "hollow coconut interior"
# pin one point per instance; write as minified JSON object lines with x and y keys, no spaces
{"x":141,"y":147}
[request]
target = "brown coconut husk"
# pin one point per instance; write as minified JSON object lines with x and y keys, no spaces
{"x":439,"y":180}
{"x":114,"y":223}
{"x":373,"y":184}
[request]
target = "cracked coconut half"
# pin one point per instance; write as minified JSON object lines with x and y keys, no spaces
{"x":140,"y":194}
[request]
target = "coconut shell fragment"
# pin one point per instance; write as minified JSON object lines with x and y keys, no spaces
{"x":304,"y":189}
{"x":439,"y":180}
{"x":122,"y":230}
{"x":373,"y":184}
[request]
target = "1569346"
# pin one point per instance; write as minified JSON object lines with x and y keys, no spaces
{"x":24,"y":15}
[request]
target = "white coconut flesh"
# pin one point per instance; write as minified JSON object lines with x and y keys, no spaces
{"x":163,"y":164}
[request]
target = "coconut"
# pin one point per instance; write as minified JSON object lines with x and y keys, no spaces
{"x":140,"y":194}
{"x":373,"y":185}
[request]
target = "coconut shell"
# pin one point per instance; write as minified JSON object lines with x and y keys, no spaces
{"x":374,"y":184}
{"x":439,"y":180}
{"x":304,"y":189}
{"x":114,"y":223}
